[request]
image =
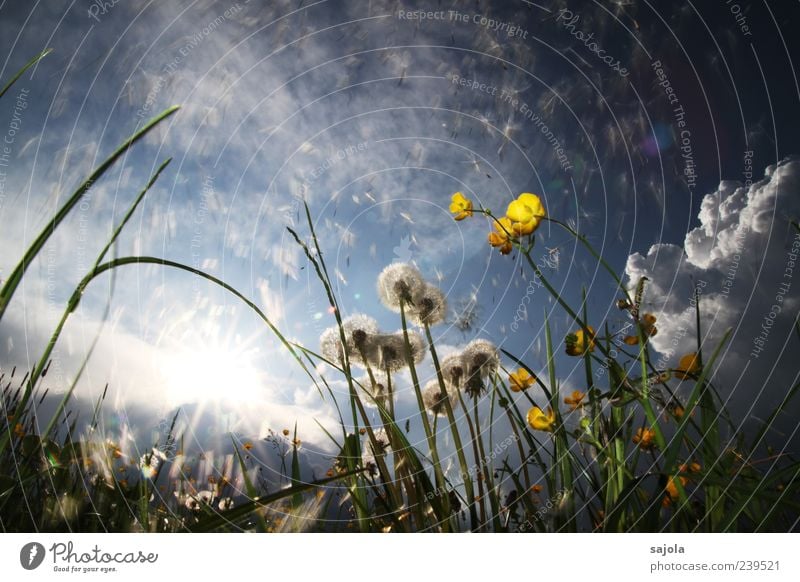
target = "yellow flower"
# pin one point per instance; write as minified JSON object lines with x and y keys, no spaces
{"x":520,"y":380}
{"x":526,"y":212}
{"x":631,"y":340}
{"x":575,"y":399}
{"x":688,"y":366}
{"x":671,"y":490}
{"x":500,"y":238}
{"x":537,"y":488}
{"x":644,"y":438}
{"x":578,"y":344}
{"x":286,"y":432}
{"x":247,"y":446}
{"x":692,"y":467}
{"x":460,"y":206}
{"x":540,"y":420}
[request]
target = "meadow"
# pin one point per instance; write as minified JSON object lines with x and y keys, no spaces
{"x":643,"y":447}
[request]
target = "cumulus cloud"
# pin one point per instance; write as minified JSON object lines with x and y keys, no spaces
{"x":742,"y":259}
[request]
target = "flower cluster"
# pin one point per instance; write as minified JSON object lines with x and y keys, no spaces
{"x":522,"y":218}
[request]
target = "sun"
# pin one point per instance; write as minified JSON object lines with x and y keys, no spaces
{"x":211,"y":373}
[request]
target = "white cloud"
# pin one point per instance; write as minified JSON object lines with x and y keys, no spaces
{"x":741,"y":257}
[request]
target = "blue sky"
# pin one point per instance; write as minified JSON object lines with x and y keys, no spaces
{"x":357,"y":109}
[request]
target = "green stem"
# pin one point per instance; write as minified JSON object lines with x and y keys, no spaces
{"x":437,"y":466}
{"x":462,"y":459}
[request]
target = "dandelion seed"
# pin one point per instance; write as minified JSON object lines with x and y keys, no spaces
{"x":225,"y":504}
{"x":434,"y":398}
{"x":399,"y":283}
{"x":430,"y":307}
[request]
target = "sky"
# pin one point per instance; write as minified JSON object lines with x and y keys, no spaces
{"x":663,"y":132}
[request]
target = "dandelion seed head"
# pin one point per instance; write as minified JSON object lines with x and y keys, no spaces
{"x":453,"y":370}
{"x":430,"y":307}
{"x":434,"y":398}
{"x":387,"y":352}
{"x":150,"y":462}
{"x":378,"y":392}
{"x":371,"y":452}
{"x":358,"y":329}
{"x":399,"y":283}
{"x":481,"y":357}
{"x":482,"y":361}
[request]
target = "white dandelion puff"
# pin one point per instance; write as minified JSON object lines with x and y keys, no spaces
{"x":434,"y":398}
{"x":454,"y":370}
{"x":358,"y":329}
{"x":370,"y":452}
{"x":430,"y":306}
{"x":150,"y":463}
{"x":482,"y":361}
{"x":399,"y":283}
{"x":387,"y":352}
{"x":378,"y":392}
